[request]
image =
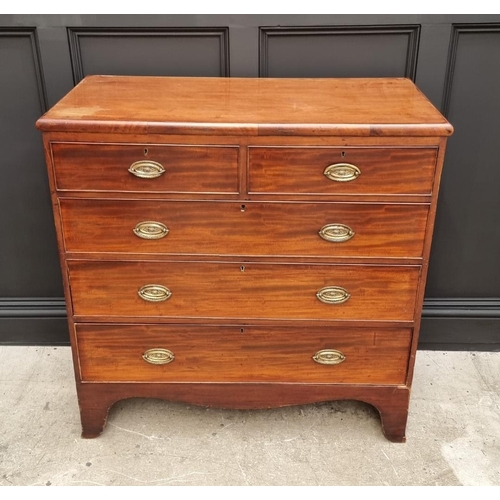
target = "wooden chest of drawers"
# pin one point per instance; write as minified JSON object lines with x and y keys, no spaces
{"x":244,"y":243}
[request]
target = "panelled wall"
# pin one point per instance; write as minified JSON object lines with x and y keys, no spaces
{"x":454,"y":59}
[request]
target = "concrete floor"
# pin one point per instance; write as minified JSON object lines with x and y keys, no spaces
{"x":453,"y":433}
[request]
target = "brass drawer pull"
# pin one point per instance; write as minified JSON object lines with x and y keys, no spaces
{"x":336,"y":233}
{"x":146,"y":169}
{"x":329,"y":357}
{"x":154,"y":293}
{"x":151,"y":230}
{"x":158,"y":356}
{"x":333,"y":295}
{"x":342,"y":172}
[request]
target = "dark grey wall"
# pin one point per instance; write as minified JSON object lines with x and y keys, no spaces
{"x":454,"y":59}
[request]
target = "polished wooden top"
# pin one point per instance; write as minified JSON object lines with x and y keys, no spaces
{"x":253,"y":106}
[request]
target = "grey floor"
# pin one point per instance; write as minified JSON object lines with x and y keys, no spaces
{"x":453,"y":434}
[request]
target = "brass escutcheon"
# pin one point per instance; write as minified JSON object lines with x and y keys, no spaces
{"x":154,"y":293}
{"x":146,"y":169}
{"x":336,"y":233}
{"x":329,"y":357}
{"x":151,"y":230}
{"x":158,"y":356}
{"x":342,"y":172}
{"x":333,"y":295}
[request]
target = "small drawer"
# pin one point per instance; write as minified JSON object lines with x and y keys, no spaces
{"x":341,"y":171}
{"x":187,"y":353}
{"x":145,"y":168}
{"x":254,"y":229}
{"x":242,"y":290}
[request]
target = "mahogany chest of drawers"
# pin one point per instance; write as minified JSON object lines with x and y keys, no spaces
{"x":244,"y":243}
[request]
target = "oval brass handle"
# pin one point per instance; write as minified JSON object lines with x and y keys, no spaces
{"x":336,"y":233}
{"x":329,"y":357}
{"x":146,"y":169}
{"x":342,"y":172}
{"x":158,"y":356}
{"x":333,"y":295}
{"x":151,"y":230}
{"x":154,"y":293}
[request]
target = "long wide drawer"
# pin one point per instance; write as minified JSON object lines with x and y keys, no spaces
{"x":145,"y":168}
{"x":243,"y":290}
{"x":341,"y":171}
{"x":183,"y":353}
{"x":229,"y":228}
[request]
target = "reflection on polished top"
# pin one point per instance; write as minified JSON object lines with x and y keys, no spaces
{"x":236,"y":106}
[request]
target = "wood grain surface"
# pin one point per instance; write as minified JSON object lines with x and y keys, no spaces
{"x":244,"y":229}
{"x":249,"y":106}
{"x":391,"y":401}
{"x":188,"y":168}
{"x":243,"y":290}
{"x":300,"y":171}
{"x":114,"y":353}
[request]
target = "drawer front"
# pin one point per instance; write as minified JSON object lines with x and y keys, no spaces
{"x":395,"y":171}
{"x":225,"y":228}
{"x":105,"y":167}
{"x":114,"y":353}
{"x":233,"y":290}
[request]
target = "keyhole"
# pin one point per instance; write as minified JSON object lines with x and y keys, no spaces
{"x":342,"y":154}
{"x":243,"y":208}
{"x":145,"y":152}
{"x":242,"y":330}
{"x":242,"y":269}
